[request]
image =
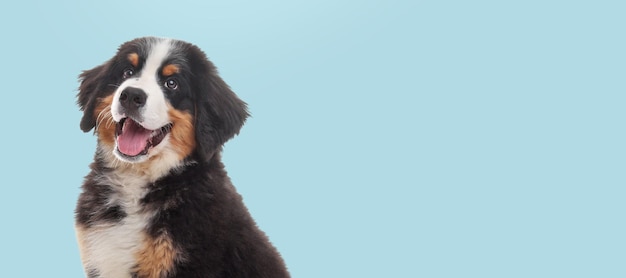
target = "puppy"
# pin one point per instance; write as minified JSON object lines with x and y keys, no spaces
{"x":158,"y":202}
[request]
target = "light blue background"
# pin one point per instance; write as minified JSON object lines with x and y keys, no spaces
{"x":388,"y":138}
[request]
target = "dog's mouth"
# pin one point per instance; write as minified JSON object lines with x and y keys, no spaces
{"x":135,"y":140}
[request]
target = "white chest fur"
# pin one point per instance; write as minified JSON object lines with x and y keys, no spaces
{"x":111,"y":248}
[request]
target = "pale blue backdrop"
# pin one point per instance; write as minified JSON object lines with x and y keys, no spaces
{"x":388,"y":138}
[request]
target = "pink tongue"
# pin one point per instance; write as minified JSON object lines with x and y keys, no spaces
{"x":133,"y":139}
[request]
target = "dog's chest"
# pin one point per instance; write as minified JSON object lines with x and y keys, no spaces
{"x":113,"y":247}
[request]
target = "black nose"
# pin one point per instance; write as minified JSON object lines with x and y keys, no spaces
{"x":133,"y":98}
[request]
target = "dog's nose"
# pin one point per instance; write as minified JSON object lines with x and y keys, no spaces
{"x":133,"y":98}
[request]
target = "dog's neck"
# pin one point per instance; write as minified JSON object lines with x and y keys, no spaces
{"x":147,"y":171}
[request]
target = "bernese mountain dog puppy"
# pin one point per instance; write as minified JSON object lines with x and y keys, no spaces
{"x":158,"y":202}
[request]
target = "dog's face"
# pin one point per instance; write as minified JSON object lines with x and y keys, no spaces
{"x":159,"y":98}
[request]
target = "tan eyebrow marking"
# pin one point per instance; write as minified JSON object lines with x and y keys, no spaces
{"x":134,"y":59}
{"x":170,"y":69}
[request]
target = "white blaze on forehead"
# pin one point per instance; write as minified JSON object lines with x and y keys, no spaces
{"x":158,"y":53}
{"x":154,"y":112}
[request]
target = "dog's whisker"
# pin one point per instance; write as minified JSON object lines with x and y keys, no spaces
{"x":104,"y":116}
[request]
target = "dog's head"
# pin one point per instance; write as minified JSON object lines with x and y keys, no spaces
{"x":159,"y":98}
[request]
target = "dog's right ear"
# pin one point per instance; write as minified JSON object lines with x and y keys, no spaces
{"x":88,"y":94}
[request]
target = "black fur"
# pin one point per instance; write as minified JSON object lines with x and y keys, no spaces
{"x":220,"y":114}
{"x":92,"y":205}
{"x":211,"y":222}
{"x":89,"y":91}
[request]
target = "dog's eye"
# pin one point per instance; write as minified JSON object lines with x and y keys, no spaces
{"x":171,"y":84}
{"x":128,"y":73}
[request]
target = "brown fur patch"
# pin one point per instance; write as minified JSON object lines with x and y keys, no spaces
{"x":169,"y":70}
{"x":156,"y":258}
{"x":105,"y":126}
{"x":134,"y":59}
{"x":183,"y":137}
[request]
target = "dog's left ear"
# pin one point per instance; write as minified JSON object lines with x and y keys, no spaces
{"x":87,"y":96}
{"x":220,"y":114}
